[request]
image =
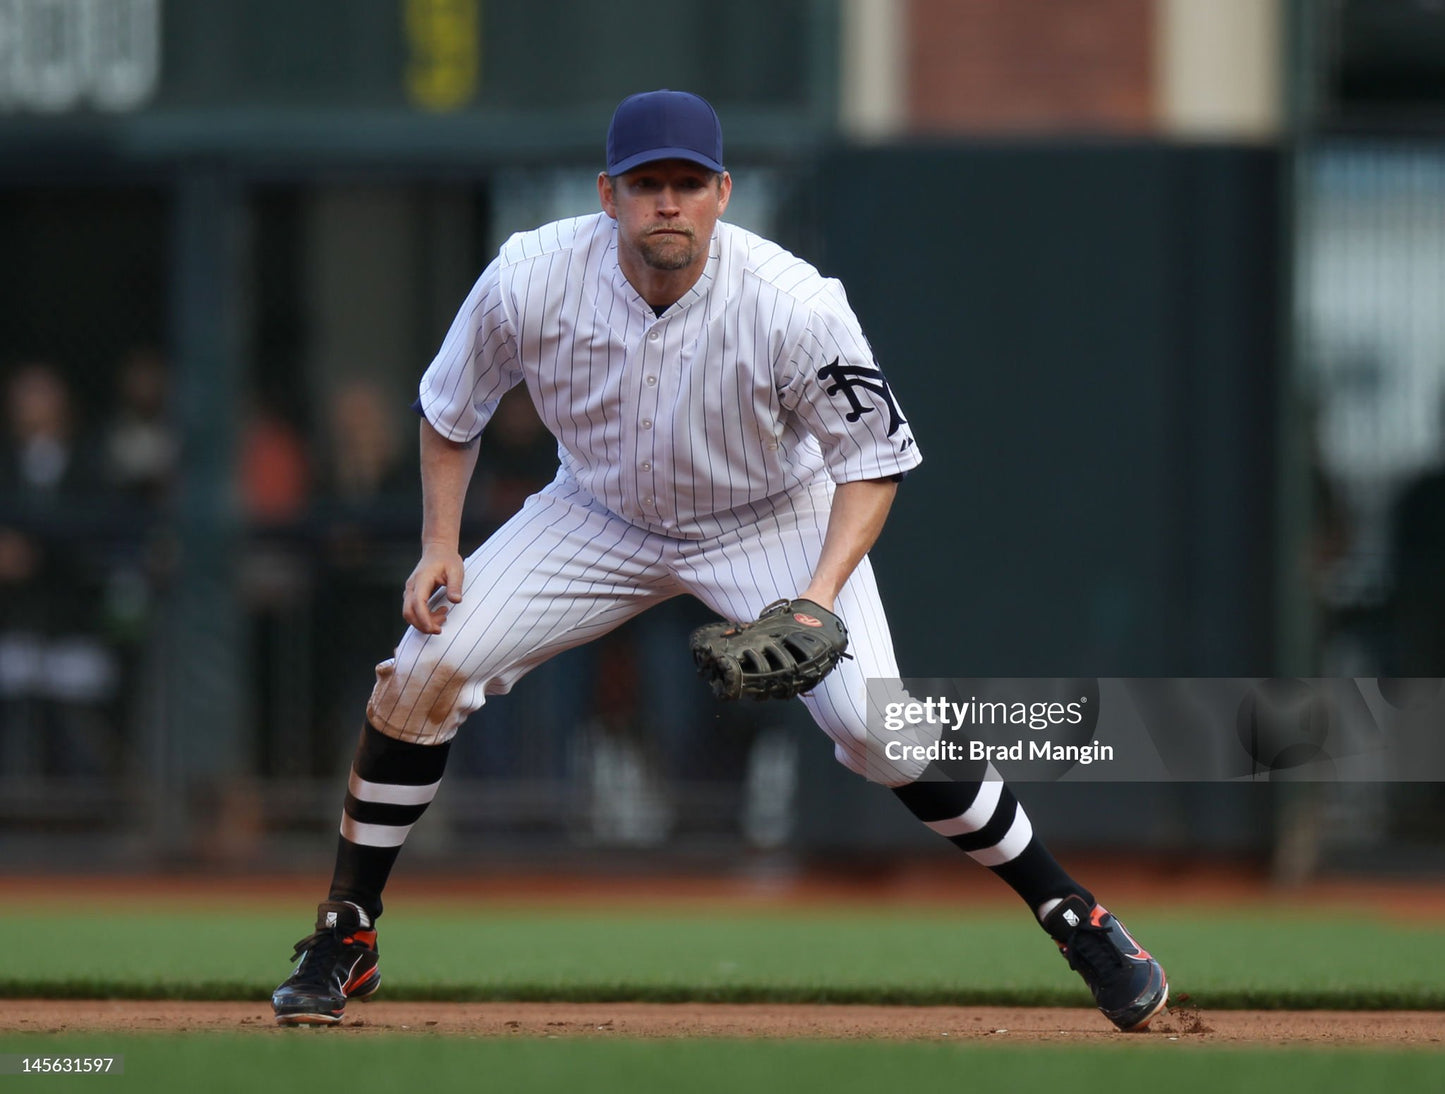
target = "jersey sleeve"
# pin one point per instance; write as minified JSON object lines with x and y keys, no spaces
{"x":476,"y":365}
{"x":833,"y":383}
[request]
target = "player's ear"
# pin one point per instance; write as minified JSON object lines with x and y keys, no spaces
{"x":725,"y":191}
{"x":606,"y":195}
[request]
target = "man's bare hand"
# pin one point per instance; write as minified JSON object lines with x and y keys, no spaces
{"x":440,"y":567}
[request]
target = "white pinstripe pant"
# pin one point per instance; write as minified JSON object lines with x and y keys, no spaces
{"x":564,"y":570}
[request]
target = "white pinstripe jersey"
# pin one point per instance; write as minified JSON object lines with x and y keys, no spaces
{"x":756,"y":382}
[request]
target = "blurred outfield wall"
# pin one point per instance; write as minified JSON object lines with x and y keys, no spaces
{"x":1085,"y":337}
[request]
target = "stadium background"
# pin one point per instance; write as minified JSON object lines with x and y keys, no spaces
{"x":1158,"y":282}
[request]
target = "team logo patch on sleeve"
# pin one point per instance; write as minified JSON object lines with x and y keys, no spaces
{"x":846,"y":379}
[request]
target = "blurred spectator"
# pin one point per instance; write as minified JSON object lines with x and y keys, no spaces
{"x":364,"y":462}
{"x":274,"y":482}
{"x":40,"y":456}
{"x":140,"y":444}
{"x":275,"y":473}
{"x":139,"y":449}
{"x":57,"y":679}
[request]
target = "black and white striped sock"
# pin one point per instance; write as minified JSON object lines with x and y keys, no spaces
{"x":392,"y":782}
{"x":982,"y":818}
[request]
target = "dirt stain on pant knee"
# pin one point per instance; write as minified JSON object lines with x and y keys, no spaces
{"x":410,"y":707}
{"x":443,"y":696}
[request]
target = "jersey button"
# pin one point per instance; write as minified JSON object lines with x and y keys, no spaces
{"x":653,"y":336}
{"x":646,"y":465}
{"x":651,"y":381}
{"x":647,"y":500}
{"x":646,"y":423}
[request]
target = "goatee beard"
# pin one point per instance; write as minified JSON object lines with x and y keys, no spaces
{"x":667,"y":258}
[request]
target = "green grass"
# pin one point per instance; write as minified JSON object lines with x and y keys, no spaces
{"x":1276,"y":960}
{"x":330,"y":1060}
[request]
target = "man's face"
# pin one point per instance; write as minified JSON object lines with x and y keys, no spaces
{"x":665,"y":211}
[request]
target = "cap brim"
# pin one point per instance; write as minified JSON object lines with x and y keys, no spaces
{"x":652,"y":155}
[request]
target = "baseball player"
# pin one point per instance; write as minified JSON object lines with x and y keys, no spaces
{"x":723,"y":430}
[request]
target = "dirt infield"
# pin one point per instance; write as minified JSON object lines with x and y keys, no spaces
{"x":1064,"y":1026}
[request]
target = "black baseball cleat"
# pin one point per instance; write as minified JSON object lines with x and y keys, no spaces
{"x":1128,"y":985}
{"x":336,"y":963}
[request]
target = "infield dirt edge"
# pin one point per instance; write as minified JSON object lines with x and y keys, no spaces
{"x":1063,"y":1026}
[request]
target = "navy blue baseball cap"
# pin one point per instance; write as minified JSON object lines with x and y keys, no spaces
{"x":664,"y":125}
